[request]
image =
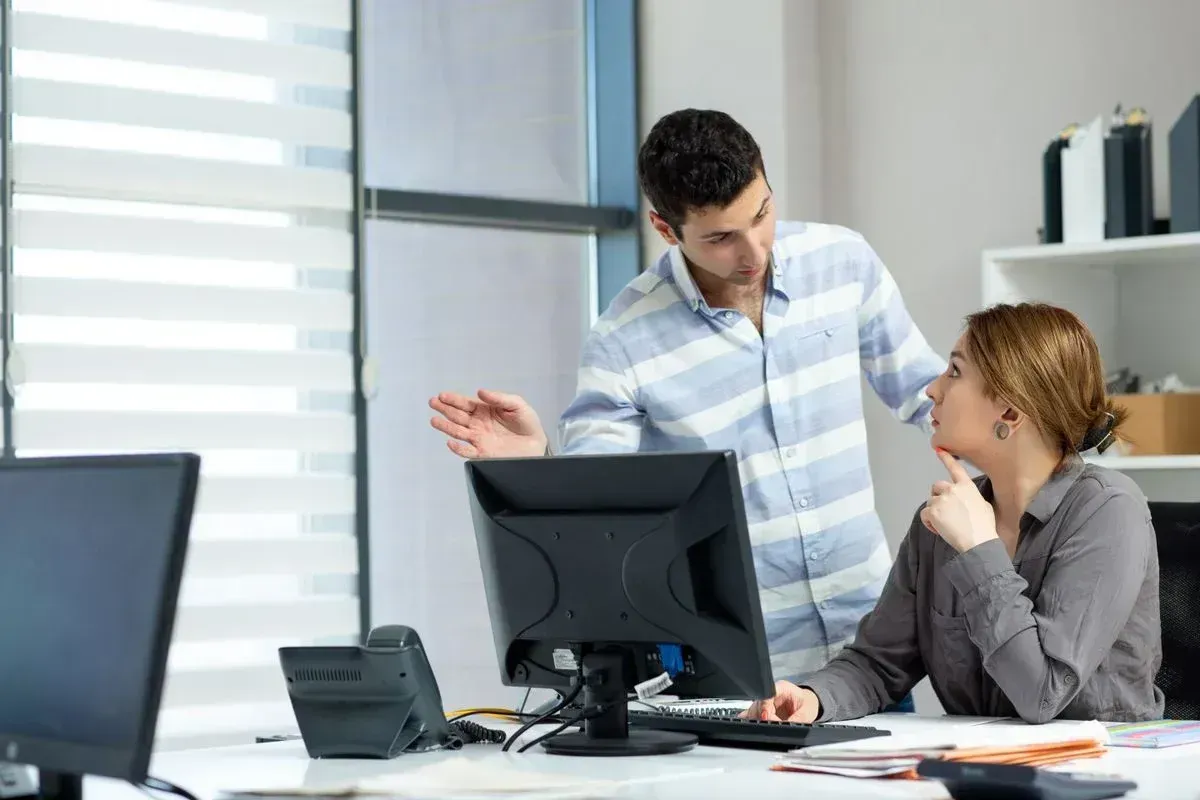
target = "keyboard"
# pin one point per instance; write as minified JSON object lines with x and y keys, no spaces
{"x":723,"y":728}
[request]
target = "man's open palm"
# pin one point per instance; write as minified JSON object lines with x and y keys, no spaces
{"x":496,"y":425}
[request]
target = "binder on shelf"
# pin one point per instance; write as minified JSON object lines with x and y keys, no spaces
{"x":1052,"y":208}
{"x":1183,"y":146}
{"x":1083,"y":184}
{"x":1129,"y":176}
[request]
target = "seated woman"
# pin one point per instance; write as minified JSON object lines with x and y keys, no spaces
{"x":1031,"y":591}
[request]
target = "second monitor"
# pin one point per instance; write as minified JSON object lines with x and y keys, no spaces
{"x":613,"y":569}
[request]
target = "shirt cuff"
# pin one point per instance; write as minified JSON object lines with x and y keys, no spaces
{"x":819,"y":685}
{"x":983,"y":562}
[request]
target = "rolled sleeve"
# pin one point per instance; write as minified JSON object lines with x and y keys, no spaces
{"x":605,"y":416}
{"x":1041,"y":651}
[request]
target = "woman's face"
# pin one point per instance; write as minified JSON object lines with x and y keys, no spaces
{"x":964,"y":417}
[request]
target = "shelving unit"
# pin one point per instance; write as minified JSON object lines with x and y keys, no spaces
{"x":1126,"y":463}
{"x":1141,"y":298}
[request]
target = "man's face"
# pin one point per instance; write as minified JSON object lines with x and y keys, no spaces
{"x":732,"y":244}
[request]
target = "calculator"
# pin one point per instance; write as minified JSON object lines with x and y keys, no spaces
{"x":967,"y":780}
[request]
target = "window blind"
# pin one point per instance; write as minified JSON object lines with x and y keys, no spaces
{"x":182,"y":268}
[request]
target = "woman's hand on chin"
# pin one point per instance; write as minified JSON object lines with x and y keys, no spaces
{"x":956,"y":511}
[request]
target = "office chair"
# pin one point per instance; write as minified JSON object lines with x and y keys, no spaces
{"x":1177,"y":530}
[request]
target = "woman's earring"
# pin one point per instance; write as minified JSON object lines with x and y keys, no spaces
{"x":1001,"y":431}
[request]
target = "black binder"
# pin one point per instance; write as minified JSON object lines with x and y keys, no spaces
{"x":1052,"y":211}
{"x":1129,"y":178}
{"x":1183,"y":145}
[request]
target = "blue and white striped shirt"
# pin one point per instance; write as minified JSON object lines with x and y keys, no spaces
{"x":661,"y":370}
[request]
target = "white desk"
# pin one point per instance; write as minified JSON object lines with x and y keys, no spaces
{"x":705,"y":772}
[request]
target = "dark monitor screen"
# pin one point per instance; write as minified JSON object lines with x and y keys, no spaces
{"x":643,"y":556}
{"x":91,"y":554}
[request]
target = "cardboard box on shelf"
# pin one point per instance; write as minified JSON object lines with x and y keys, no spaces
{"x":1161,"y":424}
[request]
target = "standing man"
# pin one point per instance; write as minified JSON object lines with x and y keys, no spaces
{"x":748,"y":335}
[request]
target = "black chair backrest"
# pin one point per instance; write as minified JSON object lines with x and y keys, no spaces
{"x":1177,"y":530}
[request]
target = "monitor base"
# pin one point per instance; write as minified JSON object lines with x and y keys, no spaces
{"x":637,"y":743}
{"x":606,"y":730}
{"x":59,"y":785}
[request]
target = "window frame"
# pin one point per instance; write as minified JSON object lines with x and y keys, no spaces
{"x":611,"y":213}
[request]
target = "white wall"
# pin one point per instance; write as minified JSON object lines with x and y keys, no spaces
{"x":729,"y":56}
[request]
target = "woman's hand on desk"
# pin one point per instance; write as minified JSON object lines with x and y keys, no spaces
{"x":791,"y":703}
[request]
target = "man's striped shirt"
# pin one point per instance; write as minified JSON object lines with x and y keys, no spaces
{"x":661,"y":370}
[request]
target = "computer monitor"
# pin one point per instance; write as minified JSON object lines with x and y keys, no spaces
{"x":91,"y":553}
{"x":615,"y":569}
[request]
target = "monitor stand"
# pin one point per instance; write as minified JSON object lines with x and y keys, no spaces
{"x":608,"y":734}
{"x":59,"y":785}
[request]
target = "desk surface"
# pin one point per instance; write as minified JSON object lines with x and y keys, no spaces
{"x":1166,"y":774}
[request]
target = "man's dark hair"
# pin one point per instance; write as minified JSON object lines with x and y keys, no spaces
{"x":694,"y":159}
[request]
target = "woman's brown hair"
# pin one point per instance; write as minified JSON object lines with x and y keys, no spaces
{"x":1042,"y":360}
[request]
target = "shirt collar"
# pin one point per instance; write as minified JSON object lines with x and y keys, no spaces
{"x":683,"y":279}
{"x":1051,"y":495}
{"x":687,"y":284}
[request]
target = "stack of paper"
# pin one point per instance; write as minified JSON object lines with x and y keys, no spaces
{"x":898,"y":755}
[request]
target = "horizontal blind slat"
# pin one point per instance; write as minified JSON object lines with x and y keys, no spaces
{"x":50,"y":169}
{"x":308,"y":309}
{"x":51,"y":99}
{"x":310,"y":554}
{"x":322,"y":432}
{"x":68,"y":363}
{"x":305,"y":494}
{"x":326,"y":248}
{"x":224,"y":686}
{"x":298,"y":64}
{"x":334,"y":14}
{"x":308,"y":618}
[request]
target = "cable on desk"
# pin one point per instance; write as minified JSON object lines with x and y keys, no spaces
{"x":494,"y":713}
{"x":474,"y":733}
{"x":566,"y":701}
{"x":584,"y":714}
{"x":506,"y":714}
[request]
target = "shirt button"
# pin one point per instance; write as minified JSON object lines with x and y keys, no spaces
{"x":804,"y":502}
{"x":791,"y":452}
{"x":823,"y":605}
{"x":829,"y":331}
{"x":728,"y":315}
